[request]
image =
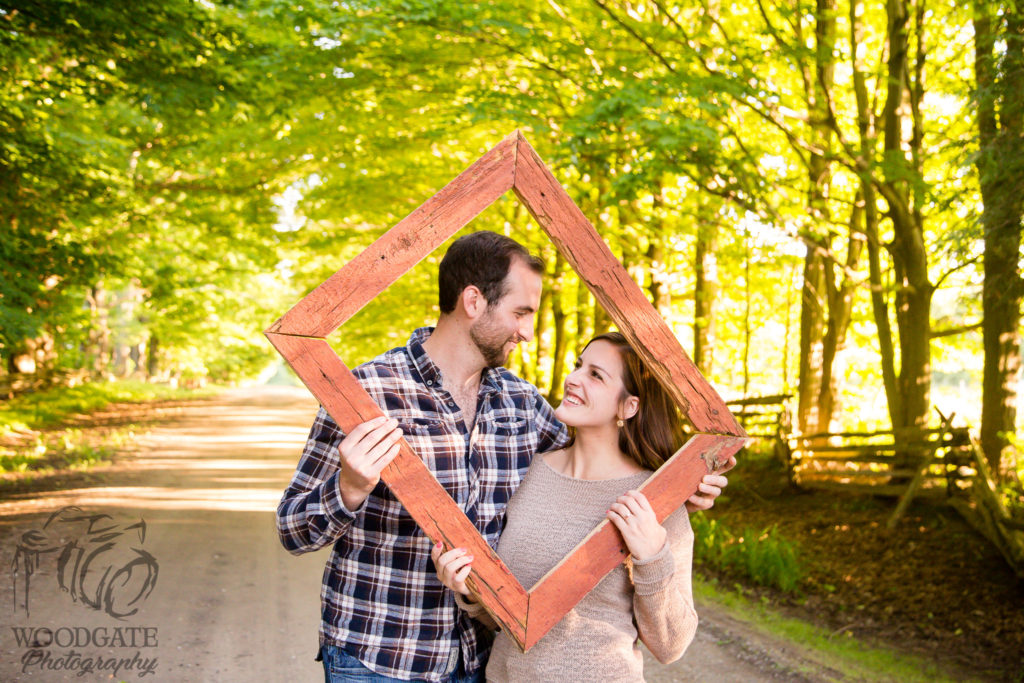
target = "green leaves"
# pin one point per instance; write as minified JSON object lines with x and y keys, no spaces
{"x":149,"y":146}
{"x":125,"y":150}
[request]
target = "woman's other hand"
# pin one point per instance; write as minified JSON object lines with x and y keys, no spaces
{"x":452,"y":567}
{"x":634,"y":517}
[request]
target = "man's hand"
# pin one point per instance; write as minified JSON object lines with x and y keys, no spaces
{"x":365,"y":451}
{"x":710,"y":488}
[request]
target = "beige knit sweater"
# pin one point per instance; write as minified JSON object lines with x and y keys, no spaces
{"x":597,"y":640}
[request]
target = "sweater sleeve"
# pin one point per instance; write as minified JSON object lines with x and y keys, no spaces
{"x":663,"y":595}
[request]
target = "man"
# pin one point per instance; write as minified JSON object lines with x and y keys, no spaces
{"x":385,"y":616}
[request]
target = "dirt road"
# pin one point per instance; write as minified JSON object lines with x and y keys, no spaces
{"x":228,"y":603}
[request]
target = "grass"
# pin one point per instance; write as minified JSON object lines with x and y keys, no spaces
{"x":37,"y":440}
{"x":54,"y":406}
{"x":65,"y":449}
{"x":763,"y":556}
{"x":838,"y":651}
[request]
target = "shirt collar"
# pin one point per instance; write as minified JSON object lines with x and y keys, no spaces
{"x":429,"y":372}
{"x":490,"y":378}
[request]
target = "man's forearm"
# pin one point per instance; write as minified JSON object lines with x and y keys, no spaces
{"x":309,"y":519}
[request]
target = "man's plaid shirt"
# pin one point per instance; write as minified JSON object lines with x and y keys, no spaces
{"x":381,"y":600}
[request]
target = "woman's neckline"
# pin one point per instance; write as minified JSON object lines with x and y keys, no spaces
{"x":548,"y":465}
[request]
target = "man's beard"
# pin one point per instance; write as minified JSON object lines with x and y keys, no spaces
{"x":490,"y":342}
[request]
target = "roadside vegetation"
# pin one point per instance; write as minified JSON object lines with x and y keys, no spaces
{"x":77,"y":427}
{"x":764,"y":557}
{"x":821,"y":648}
{"x":821,"y":568}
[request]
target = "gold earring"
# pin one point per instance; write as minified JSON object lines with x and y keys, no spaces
{"x":619,"y":422}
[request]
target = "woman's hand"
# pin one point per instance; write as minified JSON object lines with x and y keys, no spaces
{"x":452,"y":567}
{"x":634,"y":517}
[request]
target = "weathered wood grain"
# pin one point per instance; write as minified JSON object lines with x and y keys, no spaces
{"x":337,"y":389}
{"x":403,"y":246}
{"x":611,"y":285}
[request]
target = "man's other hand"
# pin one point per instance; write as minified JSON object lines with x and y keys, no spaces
{"x":710,"y":488}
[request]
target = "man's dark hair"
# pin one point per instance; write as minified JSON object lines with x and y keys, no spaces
{"x":481,"y":259}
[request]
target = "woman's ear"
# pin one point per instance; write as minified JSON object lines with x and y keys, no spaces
{"x":629,"y":407}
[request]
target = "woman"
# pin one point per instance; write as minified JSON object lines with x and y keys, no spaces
{"x":625,"y":426}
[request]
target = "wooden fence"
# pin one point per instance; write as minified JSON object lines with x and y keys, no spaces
{"x":766,"y":418}
{"x":882,"y":463}
{"x":879,"y":463}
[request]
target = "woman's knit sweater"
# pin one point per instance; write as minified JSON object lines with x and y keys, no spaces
{"x":597,"y":640}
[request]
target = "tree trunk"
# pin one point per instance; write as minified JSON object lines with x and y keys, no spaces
{"x":746,"y":314}
{"x":533,"y":374}
{"x":908,"y":392}
{"x":560,"y":321}
{"x":705,"y":290}
{"x":814,"y":389}
{"x":913,"y":304}
{"x":602,"y":322}
{"x":867,"y":139}
{"x":1001,"y":174}
{"x":840,"y":312}
{"x":122,"y":355}
{"x":812,"y":326}
{"x":584,"y":316}
{"x":656,"y":264}
{"x":99,"y":330}
{"x":789,"y":331}
{"x":153,"y":356}
{"x":135,"y":356}
{"x":910,"y":258}
{"x":880,"y":305}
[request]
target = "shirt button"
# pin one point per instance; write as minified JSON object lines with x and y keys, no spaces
{"x":430,"y":382}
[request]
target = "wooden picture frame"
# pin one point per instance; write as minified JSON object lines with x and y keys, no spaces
{"x":525,"y":615}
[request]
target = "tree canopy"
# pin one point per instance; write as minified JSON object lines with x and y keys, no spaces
{"x":813,"y":194}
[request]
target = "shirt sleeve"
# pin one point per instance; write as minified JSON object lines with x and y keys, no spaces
{"x":663,"y":593}
{"x":552,"y":433}
{"x":476,"y":611}
{"x":311,"y":513}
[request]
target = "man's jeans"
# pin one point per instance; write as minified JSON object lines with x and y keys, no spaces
{"x":341,"y":667}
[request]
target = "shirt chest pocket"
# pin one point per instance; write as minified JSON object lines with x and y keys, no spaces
{"x":512,"y":443}
{"x":511,"y":427}
{"x":433,"y":441}
{"x":419,"y":425}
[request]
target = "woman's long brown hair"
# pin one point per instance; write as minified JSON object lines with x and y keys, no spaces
{"x":655,"y":432}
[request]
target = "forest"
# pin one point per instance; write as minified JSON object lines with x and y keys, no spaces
{"x":824,"y":200}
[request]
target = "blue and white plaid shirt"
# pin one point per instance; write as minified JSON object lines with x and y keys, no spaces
{"x":381,"y":600}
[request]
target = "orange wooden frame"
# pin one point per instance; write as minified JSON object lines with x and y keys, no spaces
{"x":526,"y":615}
